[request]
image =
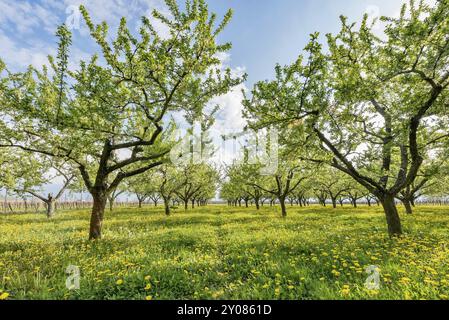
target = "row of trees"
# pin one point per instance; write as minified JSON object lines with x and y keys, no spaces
{"x":25,"y":174}
{"x":110,"y":117}
{"x":365,"y":117}
{"x":303,"y":183}
{"x":373,"y":107}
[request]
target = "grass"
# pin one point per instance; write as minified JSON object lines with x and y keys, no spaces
{"x":218,"y":252}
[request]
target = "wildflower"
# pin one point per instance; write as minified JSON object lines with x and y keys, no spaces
{"x":4,"y":296}
{"x":336,"y":273}
{"x":345,"y":290}
{"x":119,"y":282}
{"x":148,"y":298}
{"x":148,"y":286}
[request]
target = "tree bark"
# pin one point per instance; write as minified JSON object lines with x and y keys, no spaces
{"x":283,"y":208}
{"x":111,"y":204}
{"x":167,"y":206}
{"x":96,"y":218}
{"x":408,"y":206}
{"x":392,"y":215}
{"x":334,"y":203}
{"x":50,"y":208}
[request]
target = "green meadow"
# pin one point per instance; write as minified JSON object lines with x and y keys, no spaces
{"x":220,"y":252}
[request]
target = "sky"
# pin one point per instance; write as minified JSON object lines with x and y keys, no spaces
{"x":262,"y":32}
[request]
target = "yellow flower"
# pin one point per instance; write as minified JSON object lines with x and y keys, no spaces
{"x":345,"y":290}
{"x":336,"y":273}
{"x":147,"y":278}
{"x":405,"y":280}
{"x":149,"y":298}
{"x":148,"y":286}
{"x":4,"y":296}
{"x":119,"y":282}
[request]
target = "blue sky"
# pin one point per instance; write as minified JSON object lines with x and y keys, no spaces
{"x":263,"y":33}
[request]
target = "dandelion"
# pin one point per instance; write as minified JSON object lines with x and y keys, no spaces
{"x":4,"y":296}
{"x":119,"y":282}
{"x":345,"y":290}
{"x":148,"y":298}
{"x":148,"y":286}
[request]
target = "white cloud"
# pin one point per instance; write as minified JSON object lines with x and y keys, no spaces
{"x":18,"y":58}
{"x":26,"y":17}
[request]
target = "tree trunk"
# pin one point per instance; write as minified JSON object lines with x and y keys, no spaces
{"x":257,"y":203}
{"x":111,"y":203}
{"x":140,"y":203}
{"x":283,"y":208}
{"x":408,"y":206}
{"x":391,"y":213}
{"x":96,"y":218}
{"x":334,"y":203}
{"x":50,"y":208}
{"x":167,"y":206}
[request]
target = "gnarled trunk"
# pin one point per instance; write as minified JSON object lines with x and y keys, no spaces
{"x":392,"y":215}
{"x":167,"y":206}
{"x":111,"y":203}
{"x":50,"y":204}
{"x":96,"y":218}
{"x":334,"y":202}
{"x":283,"y":208}
{"x":408,"y":206}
